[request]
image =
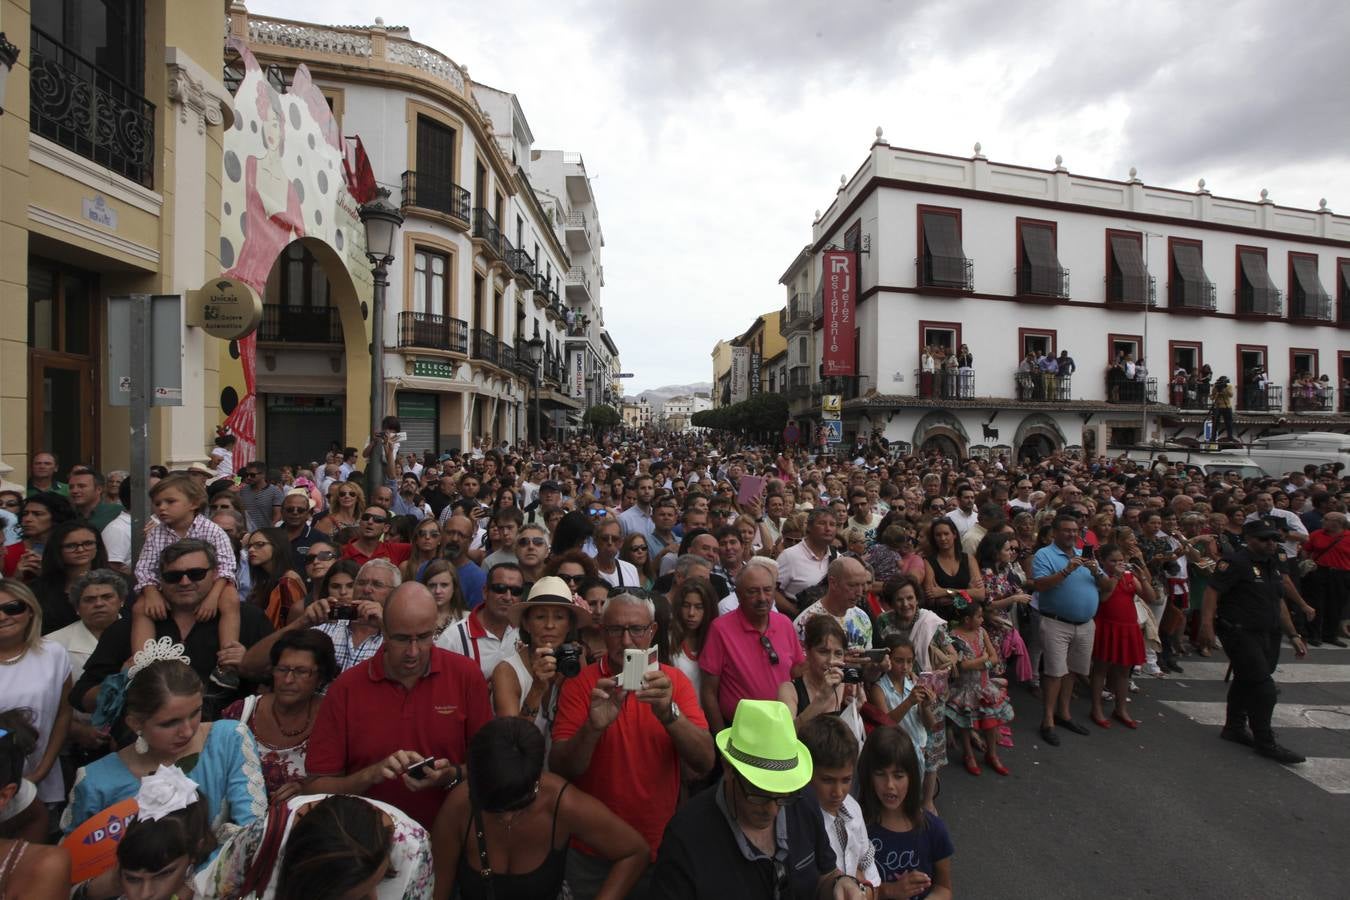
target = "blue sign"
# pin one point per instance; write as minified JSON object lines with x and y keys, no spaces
{"x":834,"y":431}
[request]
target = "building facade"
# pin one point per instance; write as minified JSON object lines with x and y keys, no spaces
{"x":750,"y":363}
{"x":969,"y":272}
{"x":636,"y":412}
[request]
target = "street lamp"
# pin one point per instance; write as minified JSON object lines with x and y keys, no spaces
{"x":534,"y":348}
{"x":9,"y":55}
{"x":382,"y":221}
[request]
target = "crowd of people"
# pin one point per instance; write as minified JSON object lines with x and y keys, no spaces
{"x":643,"y":665}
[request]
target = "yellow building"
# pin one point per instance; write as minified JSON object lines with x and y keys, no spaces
{"x":112,"y":161}
{"x":757,"y":346}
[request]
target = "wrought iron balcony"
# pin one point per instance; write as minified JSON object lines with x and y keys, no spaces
{"x":1315,"y":307}
{"x":484,"y":346}
{"x":1120,"y":389}
{"x":944,"y":385}
{"x":1043,"y":281}
{"x":1255,"y":398}
{"x":485,"y":229}
{"x":951,"y":273}
{"x":1185,"y":395}
{"x":522,"y":264}
{"x":1195,"y":295}
{"x":506,"y":356}
{"x":90,"y":112}
{"x":433,"y":332}
{"x":1132,"y":290}
{"x":300,"y":324}
{"x":1312,"y":397}
{"x":1048,"y":387}
{"x":1257,"y":301}
{"x":436,"y":193}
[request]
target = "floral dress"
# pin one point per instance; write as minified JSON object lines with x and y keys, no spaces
{"x":280,"y":765}
{"x":976,"y":699}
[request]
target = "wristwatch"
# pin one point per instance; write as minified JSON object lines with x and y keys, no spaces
{"x":674,"y":714}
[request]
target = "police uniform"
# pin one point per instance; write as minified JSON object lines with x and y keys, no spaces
{"x":1247,"y":623}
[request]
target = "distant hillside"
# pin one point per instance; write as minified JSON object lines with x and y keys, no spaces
{"x":658,"y":396}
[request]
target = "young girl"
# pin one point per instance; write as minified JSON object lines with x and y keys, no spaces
{"x":178,"y":501}
{"x":442,"y":580}
{"x":911,"y":706}
{"x":222,"y":454}
{"x":694,"y":612}
{"x":977,"y":701}
{"x":912,"y":848}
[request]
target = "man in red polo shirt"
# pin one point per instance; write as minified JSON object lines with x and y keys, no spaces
{"x":626,"y":751}
{"x":370,"y":544}
{"x":409,"y":702}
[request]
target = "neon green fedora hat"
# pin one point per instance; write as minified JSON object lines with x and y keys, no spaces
{"x":762,"y":746}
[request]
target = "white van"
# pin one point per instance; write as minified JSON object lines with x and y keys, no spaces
{"x":1280,"y":454}
{"x":1210,"y":462}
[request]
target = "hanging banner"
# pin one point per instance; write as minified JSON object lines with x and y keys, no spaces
{"x":740,"y":374}
{"x":840,"y":288}
{"x":578,"y":369}
{"x":756,"y":361}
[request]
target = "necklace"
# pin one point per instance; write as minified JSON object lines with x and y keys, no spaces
{"x":309,"y":719}
{"x":14,"y":660}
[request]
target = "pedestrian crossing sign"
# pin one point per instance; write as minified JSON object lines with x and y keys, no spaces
{"x":834,"y":431}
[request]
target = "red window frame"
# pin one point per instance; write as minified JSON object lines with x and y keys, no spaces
{"x":919,"y":210}
{"x":1302,"y":351}
{"x":1342,"y":294}
{"x":1172,"y":274}
{"x":1173,"y":346}
{"x":1017,"y":263}
{"x":954,"y":327}
{"x":1289,"y":274}
{"x":1264,"y":253}
{"x":1137,"y":237}
{"x":1111,"y":339}
{"x":1024,"y":333}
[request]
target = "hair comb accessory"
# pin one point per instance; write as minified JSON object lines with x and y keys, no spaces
{"x":163,"y":792}
{"x":154,"y":651}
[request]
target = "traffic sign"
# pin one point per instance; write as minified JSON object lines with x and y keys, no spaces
{"x":831,"y":405}
{"x":834,"y":431}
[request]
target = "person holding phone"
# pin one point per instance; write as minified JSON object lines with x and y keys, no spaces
{"x":1117,"y":643}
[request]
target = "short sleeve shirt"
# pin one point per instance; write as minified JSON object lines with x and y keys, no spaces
{"x":1075,"y":598}
{"x":899,"y":852}
{"x":736,"y":655}
{"x":258,"y":505}
{"x":856,"y":624}
{"x":1249,"y":591}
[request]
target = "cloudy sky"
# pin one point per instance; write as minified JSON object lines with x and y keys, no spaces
{"x":704,"y":122}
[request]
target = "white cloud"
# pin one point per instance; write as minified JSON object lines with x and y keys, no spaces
{"x":714,"y":128}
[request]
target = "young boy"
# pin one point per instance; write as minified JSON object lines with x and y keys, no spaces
{"x":834,"y":757}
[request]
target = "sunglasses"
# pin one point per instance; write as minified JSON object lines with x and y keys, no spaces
{"x":638,"y":548}
{"x":295,"y":510}
{"x":570,"y":579}
{"x":768,"y":648}
{"x":321,"y":556}
{"x":513,"y":590}
{"x":370,"y":517}
{"x":534,"y":541}
{"x":14,"y":608}
{"x":174,"y":576}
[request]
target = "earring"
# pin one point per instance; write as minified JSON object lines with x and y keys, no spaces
{"x":141,"y":746}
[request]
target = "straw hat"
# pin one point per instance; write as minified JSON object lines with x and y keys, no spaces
{"x":550,"y":591}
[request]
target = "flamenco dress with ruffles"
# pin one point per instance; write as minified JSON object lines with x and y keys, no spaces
{"x":1118,"y":639}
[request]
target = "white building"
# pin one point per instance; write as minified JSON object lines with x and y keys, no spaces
{"x":1006,"y":260}
{"x":677,"y":413}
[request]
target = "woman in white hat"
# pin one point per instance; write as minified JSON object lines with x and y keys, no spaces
{"x":526,"y":683}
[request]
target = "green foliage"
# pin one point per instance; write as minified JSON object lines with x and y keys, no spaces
{"x":764,"y":414}
{"x":601,"y":416}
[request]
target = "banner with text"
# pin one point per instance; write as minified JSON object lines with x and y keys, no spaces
{"x":756,"y":363}
{"x":840,"y":288}
{"x":740,"y":374}
{"x":578,"y":378}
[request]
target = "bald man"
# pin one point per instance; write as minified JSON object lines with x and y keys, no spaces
{"x":847,"y":582}
{"x":409,"y":702}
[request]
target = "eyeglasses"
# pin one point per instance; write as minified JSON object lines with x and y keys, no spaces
{"x":570,"y":579}
{"x":531,"y":541}
{"x":372,"y":583}
{"x":515,"y":590}
{"x":371,"y":517}
{"x":768,"y":648}
{"x":321,"y":556}
{"x":428,"y":534}
{"x":174,"y":576}
{"x":424,"y":638}
{"x":10,"y":504}
{"x":638,"y":548}
{"x":636,"y":632}
{"x":300,"y":672}
{"x":256,"y":545}
{"x":14,"y":608}
{"x":80,"y":545}
{"x":759,"y":798}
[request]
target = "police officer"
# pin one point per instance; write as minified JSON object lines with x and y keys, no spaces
{"x":1244,"y":605}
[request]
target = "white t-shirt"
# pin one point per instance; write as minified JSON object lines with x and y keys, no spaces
{"x":625,"y":574}
{"x":117,"y":538}
{"x":963,"y":521}
{"x":224,"y":460}
{"x":859,"y":855}
{"x":37,"y":682}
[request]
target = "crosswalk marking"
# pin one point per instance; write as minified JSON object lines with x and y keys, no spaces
{"x":1287,"y":715}
{"x":1327,"y":772}
{"x":1291,"y":673}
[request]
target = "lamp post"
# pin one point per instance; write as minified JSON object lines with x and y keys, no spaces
{"x":382,"y":221}
{"x":534,"y":347}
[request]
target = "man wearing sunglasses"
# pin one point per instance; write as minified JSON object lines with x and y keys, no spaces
{"x":370,"y":543}
{"x":486,"y":635}
{"x":628,"y":751}
{"x":295,"y":510}
{"x":187,"y":571}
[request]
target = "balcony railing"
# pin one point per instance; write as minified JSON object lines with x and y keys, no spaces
{"x":1198,"y":295}
{"x":522,"y":264}
{"x":944,"y":385}
{"x":506,"y":356}
{"x":300,"y":324}
{"x":433,"y":332}
{"x":1043,"y":386}
{"x":953,"y":273}
{"x":1258,"y":301}
{"x":436,"y":193}
{"x":1042,"y":281}
{"x":1120,"y":389}
{"x":84,"y":109}
{"x":1311,"y":398}
{"x":485,"y":229}
{"x":523,"y":365}
{"x":1255,"y":398}
{"x":484,"y":346}
{"x":1132,"y":290}
{"x":796,"y":314}
{"x":1316,"y":307}
{"x":1185,"y":395}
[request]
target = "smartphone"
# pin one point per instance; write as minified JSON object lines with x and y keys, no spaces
{"x":420,"y":770}
{"x":876,"y":655}
{"x":637,"y":663}
{"x":1089,"y":552}
{"x":935,"y":682}
{"x":400,"y":438}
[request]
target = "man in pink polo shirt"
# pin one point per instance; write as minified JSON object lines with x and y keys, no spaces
{"x":750,"y":651}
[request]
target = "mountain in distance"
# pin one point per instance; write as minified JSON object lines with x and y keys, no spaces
{"x":657,"y":396}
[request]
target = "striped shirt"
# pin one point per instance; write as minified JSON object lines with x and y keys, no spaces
{"x":347,"y":653}
{"x":162,"y":536}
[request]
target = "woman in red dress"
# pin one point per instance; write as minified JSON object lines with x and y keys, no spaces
{"x":1118,"y":645}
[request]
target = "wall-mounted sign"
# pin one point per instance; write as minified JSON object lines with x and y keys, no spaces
{"x":225,"y":308}
{"x":97,"y":210}
{"x":433,"y":368}
{"x":831,"y":405}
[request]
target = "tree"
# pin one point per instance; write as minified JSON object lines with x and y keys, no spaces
{"x":763,"y":416}
{"x":600,"y":417}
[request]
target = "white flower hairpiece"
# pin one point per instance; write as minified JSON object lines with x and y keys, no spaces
{"x":165,"y":790}
{"x":154,"y":651}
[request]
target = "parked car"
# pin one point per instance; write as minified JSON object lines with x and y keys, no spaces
{"x":1209,"y":462}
